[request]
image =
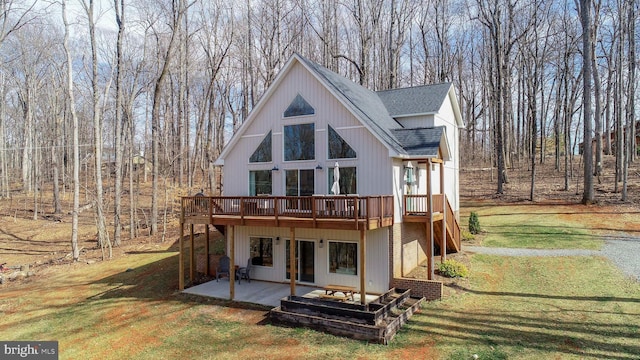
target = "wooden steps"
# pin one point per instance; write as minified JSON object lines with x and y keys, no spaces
{"x":377,"y":321}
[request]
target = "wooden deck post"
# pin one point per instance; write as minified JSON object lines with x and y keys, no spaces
{"x":363,"y":267}
{"x":443,"y":242}
{"x":429,"y":232}
{"x":191,"y":255}
{"x":206,"y":249}
{"x":181,"y":259}
{"x":292,"y":261}
{"x":232,"y":267}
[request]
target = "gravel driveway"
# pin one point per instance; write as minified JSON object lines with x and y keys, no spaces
{"x":624,"y":252}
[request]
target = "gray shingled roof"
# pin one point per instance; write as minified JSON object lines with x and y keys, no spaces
{"x":379,"y":109}
{"x":363,"y":101}
{"x":425,"y":99}
{"x":420,"y":142}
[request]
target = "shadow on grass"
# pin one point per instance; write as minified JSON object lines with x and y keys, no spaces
{"x":158,"y":280}
{"x":523,"y":332}
{"x":544,"y":296}
{"x":536,"y":330}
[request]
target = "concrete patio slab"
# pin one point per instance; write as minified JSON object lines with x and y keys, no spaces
{"x":260,"y":292}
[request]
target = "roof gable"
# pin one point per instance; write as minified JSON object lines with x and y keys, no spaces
{"x":376,"y":110}
{"x":362,"y":102}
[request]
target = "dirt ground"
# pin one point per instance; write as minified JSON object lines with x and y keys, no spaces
{"x":46,"y":242}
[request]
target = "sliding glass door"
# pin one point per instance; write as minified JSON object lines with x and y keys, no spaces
{"x":305,"y":261}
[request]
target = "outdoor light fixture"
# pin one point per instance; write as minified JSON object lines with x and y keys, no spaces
{"x":321,"y":243}
{"x":319,"y":167}
{"x":278,"y":240}
{"x":275,"y":168}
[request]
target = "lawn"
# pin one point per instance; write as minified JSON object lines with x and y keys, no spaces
{"x":550,"y":226}
{"x":516,"y":308}
{"x":538,"y":308}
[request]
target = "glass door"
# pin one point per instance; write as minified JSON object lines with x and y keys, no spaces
{"x":305,"y":261}
{"x":299,"y":182}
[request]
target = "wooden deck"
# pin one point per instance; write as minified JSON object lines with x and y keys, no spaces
{"x":322,"y":212}
{"x":417,"y":210}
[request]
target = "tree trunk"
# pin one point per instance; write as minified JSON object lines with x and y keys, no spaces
{"x":630,"y":128}
{"x":103,"y":236}
{"x":119,"y":123}
{"x":155,"y":118}
{"x":585,"y":10}
{"x":76,"y":153}
{"x":597,"y":87}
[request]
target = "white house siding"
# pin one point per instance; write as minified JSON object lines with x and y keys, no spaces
{"x":413,"y":122}
{"x":446,"y":117}
{"x":372,"y":155}
{"x":377,"y":272}
{"x":398,"y":189}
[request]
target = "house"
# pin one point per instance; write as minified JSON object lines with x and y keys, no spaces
{"x":394,"y":155}
{"x":613,"y":138}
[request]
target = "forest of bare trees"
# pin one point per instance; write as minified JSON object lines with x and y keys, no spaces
{"x":86,"y":83}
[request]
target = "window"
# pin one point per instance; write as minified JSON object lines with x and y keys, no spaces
{"x":299,"y":142}
{"x":261,"y":251}
{"x":299,"y":182}
{"x":263,"y":152}
{"x":347,"y":180}
{"x":338,"y":148}
{"x":260,"y":182}
{"x":298,"y":107}
{"x":343,"y":258}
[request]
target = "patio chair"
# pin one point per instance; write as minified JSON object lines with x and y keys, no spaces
{"x":245,"y":272}
{"x":224,"y":267}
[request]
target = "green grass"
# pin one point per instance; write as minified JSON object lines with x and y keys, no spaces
{"x":533,"y":227}
{"x":513,"y":308}
{"x":529,"y":308}
{"x":539,"y":308}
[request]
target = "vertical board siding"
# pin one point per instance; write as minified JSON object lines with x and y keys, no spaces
{"x":372,"y":156}
{"x":377,"y":273}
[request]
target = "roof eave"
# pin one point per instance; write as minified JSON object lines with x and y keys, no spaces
{"x":416,"y":114}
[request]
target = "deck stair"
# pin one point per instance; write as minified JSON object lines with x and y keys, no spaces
{"x":452,"y":244}
{"x":377,"y":321}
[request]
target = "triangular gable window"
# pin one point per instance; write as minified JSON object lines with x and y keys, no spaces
{"x":338,"y":148}
{"x":263,"y":152}
{"x":298,"y":107}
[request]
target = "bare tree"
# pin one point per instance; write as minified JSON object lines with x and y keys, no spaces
{"x":76,"y":149}
{"x":588,"y":195}
{"x":175,"y":15}
{"x":119,"y":8}
{"x":630,"y":130}
{"x":103,"y":236}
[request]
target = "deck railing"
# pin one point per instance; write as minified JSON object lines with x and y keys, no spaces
{"x":419,"y":204}
{"x":453,"y":225}
{"x":316,"y":207}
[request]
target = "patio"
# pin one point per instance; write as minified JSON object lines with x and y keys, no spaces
{"x":260,"y":292}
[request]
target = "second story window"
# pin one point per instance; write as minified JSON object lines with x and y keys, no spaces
{"x":299,"y":142}
{"x":347,"y":181}
{"x":299,"y":107}
{"x":338,"y":147}
{"x":263,"y":152}
{"x":260,"y":182}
